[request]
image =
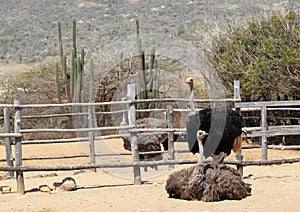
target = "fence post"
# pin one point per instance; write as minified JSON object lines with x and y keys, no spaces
{"x":7,"y":141}
{"x":18,"y":146}
{"x":171,"y":155}
{"x":133,"y":135}
{"x":91,"y":135}
{"x":264,"y":128}
{"x":239,"y":155}
{"x":236,"y":89}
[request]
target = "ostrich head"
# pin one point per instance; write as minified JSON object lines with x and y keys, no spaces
{"x":189,"y":80}
{"x":200,"y":135}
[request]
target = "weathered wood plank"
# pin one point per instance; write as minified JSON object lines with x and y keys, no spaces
{"x":267,"y":104}
{"x":11,"y":135}
{"x":133,"y":135}
{"x":18,"y":147}
{"x":143,"y":164}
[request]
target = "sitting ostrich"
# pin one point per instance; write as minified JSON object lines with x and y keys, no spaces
{"x":207,"y":182}
{"x":224,"y":128}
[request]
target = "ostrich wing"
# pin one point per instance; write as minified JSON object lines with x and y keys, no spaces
{"x":217,"y":119}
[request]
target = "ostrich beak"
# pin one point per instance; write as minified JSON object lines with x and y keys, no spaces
{"x":201,"y":134}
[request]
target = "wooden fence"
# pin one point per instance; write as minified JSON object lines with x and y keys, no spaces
{"x":265,"y":130}
{"x":17,"y":135}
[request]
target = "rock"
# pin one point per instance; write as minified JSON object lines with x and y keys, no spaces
{"x":67,"y":184}
{"x":50,"y":175}
{"x":5,"y":189}
{"x":45,"y":188}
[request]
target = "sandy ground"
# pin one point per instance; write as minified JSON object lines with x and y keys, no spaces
{"x":275,"y":188}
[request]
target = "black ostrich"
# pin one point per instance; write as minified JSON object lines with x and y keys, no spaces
{"x":207,"y":182}
{"x":224,"y":128}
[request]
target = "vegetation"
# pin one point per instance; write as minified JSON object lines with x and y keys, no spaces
{"x":264,"y":56}
{"x":34,"y":86}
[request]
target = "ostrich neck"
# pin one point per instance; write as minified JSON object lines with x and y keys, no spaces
{"x":191,"y":103}
{"x":192,"y":87}
{"x":192,"y":92}
{"x":200,"y":162}
{"x":196,"y":184}
{"x":201,"y":158}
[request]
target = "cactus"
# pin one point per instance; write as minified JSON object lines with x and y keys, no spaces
{"x":73,"y":74}
{"x":142,"y":86}
{"x":57,"y":83}
{"x":156,"y":82}
{"x":152,"y":57}
{"x":73,"y":83}
{"x":66,"y":79}
{"x":74,"y":36}
{"x":147,"y":75}
{"x":61,"y":51}
{"x":78,"y":81}
{"x":81,"y":75}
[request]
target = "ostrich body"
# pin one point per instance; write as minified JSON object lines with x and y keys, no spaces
{"x":147,"y":142}
{"x":224,"y":127}
{"x":207,"y":182}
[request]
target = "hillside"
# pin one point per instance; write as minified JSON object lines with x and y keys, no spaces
{"x":28,"y":29}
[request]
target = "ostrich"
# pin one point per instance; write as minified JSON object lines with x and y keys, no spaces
{"x":225,"y":134}
{"x":207,"y":182}
{"x":148,"y":142}
{"x":224,"y":128}
{"x":190,"y":81}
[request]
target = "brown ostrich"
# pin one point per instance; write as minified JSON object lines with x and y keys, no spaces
{"x":148,"y":142}
{"x":207,"y":182}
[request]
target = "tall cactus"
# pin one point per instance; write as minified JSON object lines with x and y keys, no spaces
{"x":156,"y":82}
{"x":63,"y":63}
{"x":73,"y":82}
{"x":78,"y":81}
{"x":57,"y":83}
{"x":81,"y":74}
{"x":61,"y":51}
{"x":66,"y":78}
{"x":74,"y":33}
{"x":147,"y":75}
{"x":73,"y":73}
{"x":143,"y":94}
{"x":151,"y":78}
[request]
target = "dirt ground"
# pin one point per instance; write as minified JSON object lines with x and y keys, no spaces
{"x":275,"y":188}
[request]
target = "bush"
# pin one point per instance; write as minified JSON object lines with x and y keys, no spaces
{"x":264,"y":56}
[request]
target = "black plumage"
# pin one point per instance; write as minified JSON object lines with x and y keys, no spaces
{"x":224,"y":128}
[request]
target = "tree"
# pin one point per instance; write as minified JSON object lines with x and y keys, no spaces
{"x":264,"y":56}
